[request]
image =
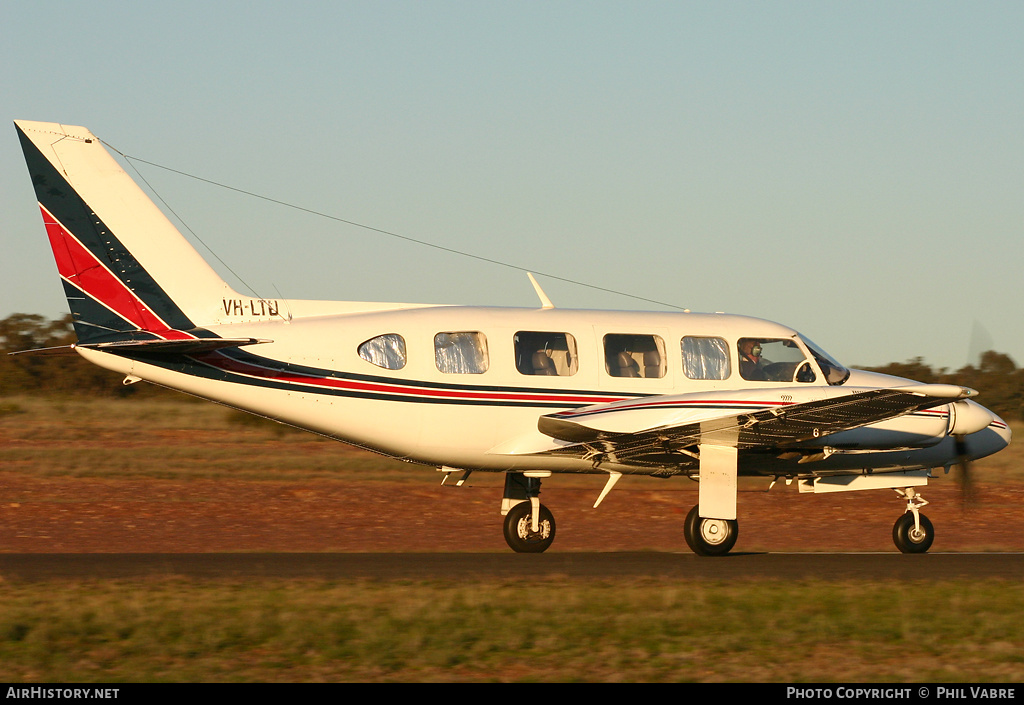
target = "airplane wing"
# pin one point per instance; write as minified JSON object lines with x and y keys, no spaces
{"x":649,"y":432}
{"x":768,"y":424}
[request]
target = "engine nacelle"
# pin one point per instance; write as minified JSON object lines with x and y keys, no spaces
{"x":967,"y":417}
{"x":918,"y":430}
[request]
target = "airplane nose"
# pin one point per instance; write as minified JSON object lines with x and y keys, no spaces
{"x":989,"y":440}
{"x":1003,"y":429}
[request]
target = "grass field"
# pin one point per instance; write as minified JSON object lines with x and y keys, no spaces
{"x":550,"y":630}
{"x":105,"y":437}
{"x":272,"y":630}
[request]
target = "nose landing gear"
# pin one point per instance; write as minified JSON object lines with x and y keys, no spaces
{"x":913,"y":532}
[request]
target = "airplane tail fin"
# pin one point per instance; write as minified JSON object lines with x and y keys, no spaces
{"x":125,"y":268}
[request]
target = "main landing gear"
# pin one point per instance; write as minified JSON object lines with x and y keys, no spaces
{"x":529,"y":526}
{"x":523,"y":535}
{"x":709,"y":537}
{"x":913,"y":532}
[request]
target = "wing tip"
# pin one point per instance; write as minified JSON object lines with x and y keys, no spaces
{"x":952,"y":392}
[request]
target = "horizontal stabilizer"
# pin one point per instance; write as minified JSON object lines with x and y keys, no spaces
{"x":192,"y":346}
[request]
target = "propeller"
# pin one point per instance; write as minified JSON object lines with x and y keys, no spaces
{"x":968,"y":492}
{"x":967,"y":418}
{"x":980,"y":341}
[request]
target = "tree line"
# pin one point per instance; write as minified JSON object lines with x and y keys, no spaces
{"x":56,"y":372}
{"x":996,"y":376}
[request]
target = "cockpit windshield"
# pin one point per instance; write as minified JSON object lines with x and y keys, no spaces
{"x":834,"y":372}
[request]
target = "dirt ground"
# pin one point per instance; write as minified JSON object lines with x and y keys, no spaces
{"x":142,"y":515}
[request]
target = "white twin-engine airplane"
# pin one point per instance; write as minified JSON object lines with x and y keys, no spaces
{"x":524,"y":392}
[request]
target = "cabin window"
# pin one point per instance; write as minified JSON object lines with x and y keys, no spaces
{"x":705,"y":358}
{"x":773,"y":360}
{"x":463,"y":352}
{"x":551,"y":354}
{"x":627,"y":355}
{"x":387,"y":351}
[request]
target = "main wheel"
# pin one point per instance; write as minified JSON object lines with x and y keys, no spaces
{"x":908,"y":538}
{"x":710,"y":537}
{"x":519,"y":533}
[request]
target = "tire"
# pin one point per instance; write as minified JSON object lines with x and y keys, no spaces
{"x":907,"y":539}
{"x":710,"y":537}
{"x":518,"y":532}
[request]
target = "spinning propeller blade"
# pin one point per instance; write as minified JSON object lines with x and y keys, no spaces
{"x":968,"y":493}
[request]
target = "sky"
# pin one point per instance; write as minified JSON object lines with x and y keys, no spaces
{"x":854,"y":170}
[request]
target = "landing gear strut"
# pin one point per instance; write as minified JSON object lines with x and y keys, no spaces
{"x":529,"y":526}
{"x":913,"y":532}
{"x":709,"y":537}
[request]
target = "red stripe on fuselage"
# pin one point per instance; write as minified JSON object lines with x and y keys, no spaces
{"x":228,"y":364}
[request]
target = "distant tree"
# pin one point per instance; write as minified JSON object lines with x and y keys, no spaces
{"x":25,"y":331}
{"x":997,"y":378}
{"x":51,"y":373}
{"x":999,"y":381}
{"x":996,"y":363}
{"x":914,"y":369}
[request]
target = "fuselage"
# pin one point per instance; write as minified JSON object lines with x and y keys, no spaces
{"x":463,"y":387}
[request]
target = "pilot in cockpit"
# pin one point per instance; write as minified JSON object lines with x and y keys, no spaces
{"x":750,"y":359}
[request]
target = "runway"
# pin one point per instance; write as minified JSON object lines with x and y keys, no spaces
{"x":485,"y":566}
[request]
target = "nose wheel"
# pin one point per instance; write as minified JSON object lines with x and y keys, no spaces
{"x":913,"y":532}
{"x":913,"y":537}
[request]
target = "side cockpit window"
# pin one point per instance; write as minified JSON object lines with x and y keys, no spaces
{"x":387,"y":351}
{"x":634,"y":355}
{"x":705,"y":358}
{"x":462,"y":352}
{"x":540,"y":353}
